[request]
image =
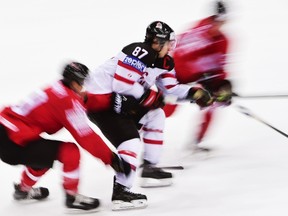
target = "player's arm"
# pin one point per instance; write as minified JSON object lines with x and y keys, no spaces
{"x":76,"y":121}
{"x":168,"y":83}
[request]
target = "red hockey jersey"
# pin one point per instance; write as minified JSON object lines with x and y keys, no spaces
{"x":198,"y":54}
{"x":50,"y":110}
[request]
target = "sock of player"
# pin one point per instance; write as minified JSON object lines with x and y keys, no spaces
{"x":69,"y":156}
{"x":29,"y":177}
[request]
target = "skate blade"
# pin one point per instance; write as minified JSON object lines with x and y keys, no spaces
{"x":81,"y":211}
{"x":153,"y":183}
{"x":118,"y":205}
{"x":29,"y":201}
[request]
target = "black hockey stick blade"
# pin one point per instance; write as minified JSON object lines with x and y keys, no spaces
{"x":274,"y":96}
{"x":177,"y":167}
{"x":247,"y":112}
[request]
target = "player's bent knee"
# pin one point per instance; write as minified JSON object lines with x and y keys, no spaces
{"x":69,"y":153}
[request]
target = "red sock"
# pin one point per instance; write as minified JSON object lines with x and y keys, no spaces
{"x":29,"y":177}
{"x":207,"y":117}
{"x":69,"y":156}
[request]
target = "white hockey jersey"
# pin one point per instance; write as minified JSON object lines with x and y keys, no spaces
{"x":134,"y":70}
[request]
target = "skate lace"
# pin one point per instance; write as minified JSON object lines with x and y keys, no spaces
{"x":34,"y":192}
{"x":130,"y":192}
{"x":155,"y":169}
{"x":83,"y":199}
{"x":158,"y":169}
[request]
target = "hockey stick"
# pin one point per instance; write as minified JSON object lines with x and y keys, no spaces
{"x":175,"y":167}
{"x":171,"y":167}
{"x":205,"y":79}
{"x":259,"y":96}
{"x":247,"y":112}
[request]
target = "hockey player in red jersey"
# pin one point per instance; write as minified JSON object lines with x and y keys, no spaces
{"x":131,"y":75}
{"x":49,"y":110}
{"x":200,"y":57}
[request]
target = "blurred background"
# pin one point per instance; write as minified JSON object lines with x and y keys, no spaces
{"x":247,"y":173}
{"x":39,"y":36}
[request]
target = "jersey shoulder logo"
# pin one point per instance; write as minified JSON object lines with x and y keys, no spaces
{"x":135,"y":63}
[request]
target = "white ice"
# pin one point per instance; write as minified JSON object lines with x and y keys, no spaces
{"x":247,"y":172}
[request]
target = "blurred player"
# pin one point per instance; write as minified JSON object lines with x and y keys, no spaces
{"x":131,"y":74}
{"x":49,"y":110}
{"x":200,"y":57}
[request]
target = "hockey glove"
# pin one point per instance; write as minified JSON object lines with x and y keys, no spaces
{"x":200,"y":96}
{"x":128,"y":106}
{"x":223,"y":96}
{"x":223,"y":93}
{"x":152,"y":99}
{"x":120,"y":165}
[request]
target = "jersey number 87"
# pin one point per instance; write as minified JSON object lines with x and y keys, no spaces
{"x":139,"y":52}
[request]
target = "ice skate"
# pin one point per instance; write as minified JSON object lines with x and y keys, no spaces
{"x":123,"y":199}
{"x":194,"y":151}
{"x":79,"y":203}
{"x":200,"y":149}
{"x":37,"y":193}
{"x":152,"y":176}
{"x":196,"y":146}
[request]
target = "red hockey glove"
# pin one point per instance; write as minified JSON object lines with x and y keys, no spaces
{"x":200,"y":96}
{"x":152,"y":99}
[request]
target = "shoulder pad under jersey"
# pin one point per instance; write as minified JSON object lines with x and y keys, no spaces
{"x":166,"y":63}
{"x":141,"y":51}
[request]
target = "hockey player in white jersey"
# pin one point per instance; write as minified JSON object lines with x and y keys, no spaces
{"x":131,"y":74}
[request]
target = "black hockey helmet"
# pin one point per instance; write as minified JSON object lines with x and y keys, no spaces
{"x":220,"y":8}
{"x":220,"y":11}
{"x":75,"y":72}
{"x":159,"y":30}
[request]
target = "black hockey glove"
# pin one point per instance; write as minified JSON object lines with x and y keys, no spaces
{"x":223,"y":93}
{"x":120,"y":165}
{"x":128,"y":106}
{"x":125,"y":105}
{"x":152,"y":99}
{"x":200,"y":96}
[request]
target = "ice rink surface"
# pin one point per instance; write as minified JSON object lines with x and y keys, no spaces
{"x":246,"y":174}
